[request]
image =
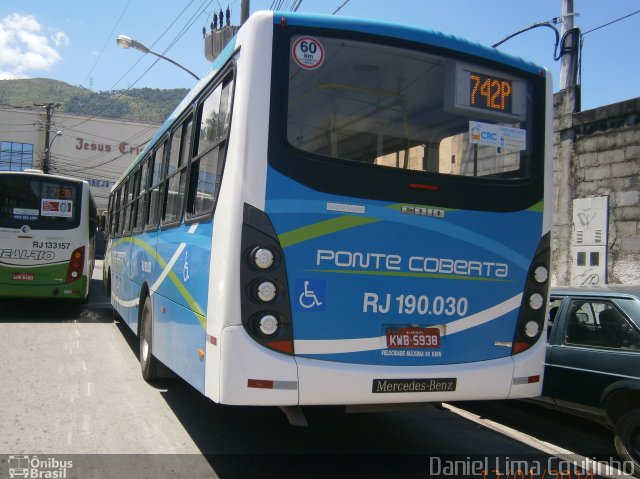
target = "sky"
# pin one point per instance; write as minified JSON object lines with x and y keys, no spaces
{"x":74,"y":40}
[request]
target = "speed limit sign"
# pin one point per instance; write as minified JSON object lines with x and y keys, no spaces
{"x":308,"y":53}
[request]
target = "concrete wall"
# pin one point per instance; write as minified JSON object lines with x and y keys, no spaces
{"x":597,"y":154}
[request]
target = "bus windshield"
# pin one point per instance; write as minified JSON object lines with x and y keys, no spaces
{"x":393,"y":107}
{"x":40,"y":203}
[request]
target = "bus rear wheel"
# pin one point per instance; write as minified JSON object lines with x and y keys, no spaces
{"x":148,"y":363}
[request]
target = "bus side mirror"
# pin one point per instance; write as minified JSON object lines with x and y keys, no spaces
{"x":102,"y":222}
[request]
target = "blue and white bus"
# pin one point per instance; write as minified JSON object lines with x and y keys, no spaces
{"x":343,"y":212}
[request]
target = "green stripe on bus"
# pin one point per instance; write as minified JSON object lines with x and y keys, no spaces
{"x":323,"y":228}
{"x":334,"y":225}
{"x":191,"y":302}
{"x":538,"y":207}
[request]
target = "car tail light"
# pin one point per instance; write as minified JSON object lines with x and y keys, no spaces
{"x":266,"y":313}
{"x":76,"y":265}
{"x":534,"y":300}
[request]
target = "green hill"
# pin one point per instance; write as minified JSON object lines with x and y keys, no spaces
{"x":147,"y":105}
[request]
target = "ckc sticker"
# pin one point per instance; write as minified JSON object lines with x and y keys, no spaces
{"x":308,"y":53}
{"x":497,"y":135}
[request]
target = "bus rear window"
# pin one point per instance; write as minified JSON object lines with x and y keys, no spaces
{"x":40,"y":203}
{"x":398,"y":108}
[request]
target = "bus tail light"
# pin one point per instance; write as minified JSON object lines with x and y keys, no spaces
{"x":268,"y":325}
{"x":534,"y":300}
{"x":76,"y":265}
{"x":266,"y":313}
{"x":262,"y":258}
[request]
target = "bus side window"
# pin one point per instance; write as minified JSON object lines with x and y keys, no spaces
{"x":156,"y":173}
{"x":115,"y":218}
{"x":214,"y":115}
{"x":109,"y":216}
{"x":136,"y":195}
{"x":124,"y":199}
{"x":143,"y":198}
{"x":134,"y":186}
{"x":177,"y":175}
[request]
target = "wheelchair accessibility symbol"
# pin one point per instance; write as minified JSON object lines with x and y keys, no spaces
{"x":310,"y":294}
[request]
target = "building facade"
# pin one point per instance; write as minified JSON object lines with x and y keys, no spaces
{"x":95,"y":149}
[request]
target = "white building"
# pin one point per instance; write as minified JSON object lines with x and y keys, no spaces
{"x":95,"y":149}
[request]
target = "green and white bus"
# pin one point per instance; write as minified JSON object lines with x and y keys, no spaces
{"x":48,"y":226}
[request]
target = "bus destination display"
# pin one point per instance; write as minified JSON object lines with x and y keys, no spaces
{"x":489,"y":92}
{"x":485,"y":94}
{"x":58,"y":192}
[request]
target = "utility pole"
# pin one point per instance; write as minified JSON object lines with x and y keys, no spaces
{"x":244,"y":11}
{"x":568,"y":48}
{"x":46,"y":156}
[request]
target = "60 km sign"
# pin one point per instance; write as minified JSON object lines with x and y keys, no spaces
{"x":308,"y":53}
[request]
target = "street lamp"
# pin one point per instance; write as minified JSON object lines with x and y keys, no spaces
{"x":124,"y":41}
{"x":46,"y":163}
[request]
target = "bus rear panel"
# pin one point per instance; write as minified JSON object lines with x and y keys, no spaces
{"x":46,"y":246}
{"x":405,"y":213}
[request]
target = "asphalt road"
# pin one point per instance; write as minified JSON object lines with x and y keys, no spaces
{"x":70,"y":388}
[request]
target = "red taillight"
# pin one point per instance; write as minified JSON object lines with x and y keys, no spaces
{"x":519,"y":346}
{"x":421,"y":186}
{"x":260,"y":383}
{"x":282,"y":346}
{"x":76,"y":265}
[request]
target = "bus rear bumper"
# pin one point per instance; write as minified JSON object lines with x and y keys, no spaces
{"x":323,"y":382}
{"x":75,"y":290}
{"x":260,"y":377}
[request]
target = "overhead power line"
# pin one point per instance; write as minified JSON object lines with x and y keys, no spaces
{"x":581,"y":45}
{"x":340,"y":7}
{"x":117,"y":97}
{"x":611,"y":22}
{"x":109,"y":39}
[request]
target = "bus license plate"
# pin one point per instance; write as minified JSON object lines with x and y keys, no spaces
{"x":23,"y":277}
{"x":413,"y":338}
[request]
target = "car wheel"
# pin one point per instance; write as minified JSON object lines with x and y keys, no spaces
{"x":627,"y":438}
{"x":148,"y":363}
